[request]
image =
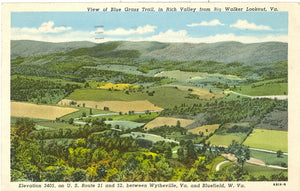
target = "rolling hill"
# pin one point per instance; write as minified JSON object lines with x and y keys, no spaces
{"x":26,"y":48}
{"x":226,"y":52}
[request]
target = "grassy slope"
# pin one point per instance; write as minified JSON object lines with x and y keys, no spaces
{"x":267,"y":87}
{"x":79,"y":113}
{"x":268,"y":139}
{"x":226,"y":139}
{"x":269,"y":158}
{"x":140,"y":118}
{"x":210,"y":129}
{"x":123,"y":124}
{"x":164,"y":97}
{"x":257,"y":170}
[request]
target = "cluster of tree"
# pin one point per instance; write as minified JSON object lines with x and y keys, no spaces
{"x":235,"y":129}
{"x":115,"y":76}
{"x":223,"y":111}
{"x":80,"y":132}
{"x":177,"y":133}
{"x":39,"y":90}
{"x":221,"y":85}
{"x":162,"y":147}
{"x":167,"y":130}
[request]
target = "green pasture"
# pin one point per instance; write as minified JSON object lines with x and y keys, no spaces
{"x":46,"y":79}
{"x":268,"y":139}
{"x":264,"y":88}
{"x":13,"y":119}
{"x":123,"y":124}
{"x":256,"y":170}
{"x":166,"y":97}
{"x":53,"y":125}
{"x":269,"y":158}
{"x":150,"y":137}
{"x":226,"y":139}
{"x":140,"y":118}
{"x":79,"y":113}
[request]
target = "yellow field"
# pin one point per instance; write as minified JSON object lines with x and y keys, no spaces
{"x":202,"y":93}
{"x":205,"y":129}
{"x":21,"y":109}
{"x":117,"y":106}
{"x":117,"y":86}
{"x":170,"y":121}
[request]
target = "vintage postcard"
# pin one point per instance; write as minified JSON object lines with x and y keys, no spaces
{"x":156,"y":96}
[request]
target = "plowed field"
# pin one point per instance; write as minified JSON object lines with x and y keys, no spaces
{"x":117,"y":106}
{"x":170,"y":121}
{"x":21,"y":109}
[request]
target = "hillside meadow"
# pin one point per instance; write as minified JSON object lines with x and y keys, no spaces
{"x":164,"y":97}
{"x":205,"y":129}
{"x":117,"y":106}
{"x":22,"y":109}
{"x":168,"y":121}
{"x":268,"y":139}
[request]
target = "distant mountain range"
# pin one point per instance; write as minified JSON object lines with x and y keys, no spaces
{"x":26,"y":48}
{"x":225,"y":52}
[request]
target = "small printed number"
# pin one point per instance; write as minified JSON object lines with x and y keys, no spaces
{"x":48,"y":185}
{"x":279,"y":184}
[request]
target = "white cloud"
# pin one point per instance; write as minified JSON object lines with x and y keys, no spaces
{"x":182,"y":36}
{"x":48,"y":28}
{"x":167,"y":36}
{"x":214,"y":22}
{"x":45,"y":28}
{"x":123,"y":32}
{"x":170,"y":36}
{"x":245,"y":25}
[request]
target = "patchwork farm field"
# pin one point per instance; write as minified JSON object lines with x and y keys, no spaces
{"x":117,"y":86}
{"x":148,"y":111}
{"x":140,"y":118}
{"x":256,"y":170}
{"x":30,"y":110}
{"x":50,"y":125}
{"x":226,"y":140}
{"x":123,"y":124}
{"x":264,"y":88}
{"x":165,"y":97}
{"x":150,"y":137}
{"x":268,"y":139}
{"x":269,"y":158}
{"x":200,"y":92}
{"x":169,"y":121}
{"x":205,"y":129}
{"x":184,"y":76}
{"x":117,"y":106}
{"x":80,"y":111}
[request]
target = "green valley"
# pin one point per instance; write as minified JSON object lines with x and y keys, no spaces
{"x":124,"y":111}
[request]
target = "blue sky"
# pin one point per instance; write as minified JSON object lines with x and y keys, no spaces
{"x":195,"y":27}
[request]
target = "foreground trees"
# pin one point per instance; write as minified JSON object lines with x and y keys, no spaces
{"x":105,"y":155}
{"x":241,"y":152}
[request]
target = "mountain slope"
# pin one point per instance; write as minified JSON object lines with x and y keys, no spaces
{"x":26,"y":48}
{"x":225,"y":52}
